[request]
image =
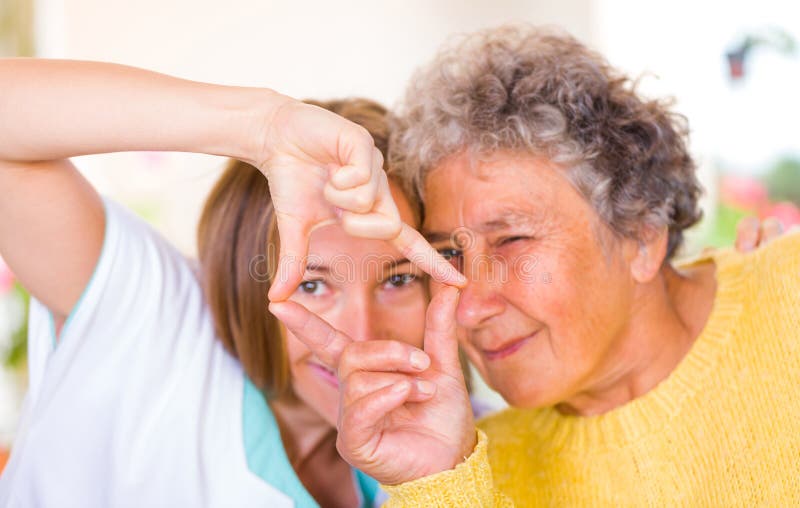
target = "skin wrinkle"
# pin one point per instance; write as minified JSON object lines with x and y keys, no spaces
{"x":595,"y":346}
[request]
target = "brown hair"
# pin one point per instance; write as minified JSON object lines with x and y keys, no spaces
{"x":237,"y":245}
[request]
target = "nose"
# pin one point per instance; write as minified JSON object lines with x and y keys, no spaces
{"x":480,"y":301}
{"x":359,"y":319}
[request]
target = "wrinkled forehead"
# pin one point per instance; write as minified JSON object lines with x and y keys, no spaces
{"x":490,"y":192}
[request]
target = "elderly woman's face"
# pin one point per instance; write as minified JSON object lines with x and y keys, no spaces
{"x":549,"y":291}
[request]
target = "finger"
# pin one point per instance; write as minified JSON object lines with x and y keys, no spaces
{"x":356,"y":155}
{"x":351,"y":176}
{"x":771,"y":228}
{"x":360,"y":421}
{"x":292,"y":259}
{"x":417,"y":250}
{"x":361,"y":383}
{"x":383,"y":221}
{"x":362,"y":198}
{"x":359,"y":199}
{"x":382,"y":355}
{"x":441,"y":341}
{"x":371,"y":225}
{"x":747,"y":233}
{"x":325,"y":341}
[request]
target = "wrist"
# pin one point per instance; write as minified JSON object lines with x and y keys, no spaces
{"x":468,"y":447}
{"x":247,"y":116}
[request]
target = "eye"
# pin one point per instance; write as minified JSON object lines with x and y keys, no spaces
{"x":455,"y":256}
{"x":450,"y":253}
{"x":312,"y":287}
{"x":401,"y":279}
{"x":512,"y":239}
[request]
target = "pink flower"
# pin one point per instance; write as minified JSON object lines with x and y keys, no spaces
{"x":6,"y":278}
{"x":785,"y":211}
{"x":743,"y":192}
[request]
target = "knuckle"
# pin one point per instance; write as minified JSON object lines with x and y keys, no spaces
{"x":396,"y":349}
{"x":347,"y":360}
{"x":363,"y":133}
{"x":330,"y":338}
{"x":395,"y":226}
{"x":355,"y":382}
{"x":362,"y":200}
{"x":342,"y":445}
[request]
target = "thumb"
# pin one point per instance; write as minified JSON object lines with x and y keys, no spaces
{"x":441,"y":332}
{"x":292,"y":259}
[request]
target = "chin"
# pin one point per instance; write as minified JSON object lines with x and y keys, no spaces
{"x":524,"y":397}
{"x":328,"y":413}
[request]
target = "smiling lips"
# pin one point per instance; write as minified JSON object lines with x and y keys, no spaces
{"x":507,"y":349}
{"x":326,"y":374}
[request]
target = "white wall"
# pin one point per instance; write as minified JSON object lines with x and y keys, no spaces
{"x":682,"y":43}
{"x":679,"y":47}
{"x":318,"y":49}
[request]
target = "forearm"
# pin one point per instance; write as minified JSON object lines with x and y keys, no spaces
{"x":55,"y":109}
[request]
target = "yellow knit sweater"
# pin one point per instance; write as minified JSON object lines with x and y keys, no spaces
{"x":722,"y":430}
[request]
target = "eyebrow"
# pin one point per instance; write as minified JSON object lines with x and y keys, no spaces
{"x":317,"y":267}
{"x":398,"y":262}
{"x":323,"y":268}
{"x":505,"y":220}
{"x":436,"y":237}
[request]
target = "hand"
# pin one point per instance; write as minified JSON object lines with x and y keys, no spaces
{"x":752,"y":233}
{"x":403,"y":413}
{"x":322,"y":169}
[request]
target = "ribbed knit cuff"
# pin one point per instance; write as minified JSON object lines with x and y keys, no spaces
{"x":468,"y":484}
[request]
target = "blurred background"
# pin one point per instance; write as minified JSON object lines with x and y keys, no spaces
{"x":733,"y":68}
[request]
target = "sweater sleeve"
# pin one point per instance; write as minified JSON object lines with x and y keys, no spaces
{"x":469,"y":484}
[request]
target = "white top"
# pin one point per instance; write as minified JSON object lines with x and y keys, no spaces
{"x":138,"y":404}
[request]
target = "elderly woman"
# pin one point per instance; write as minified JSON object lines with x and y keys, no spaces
{"x":563,"y":196}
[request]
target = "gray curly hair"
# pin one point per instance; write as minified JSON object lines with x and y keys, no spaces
{"x":541,"y":91}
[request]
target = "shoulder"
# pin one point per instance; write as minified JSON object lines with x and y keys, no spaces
{"x":774,"y":269}
{"x":783,"y":251}
{"x":141,"y":259}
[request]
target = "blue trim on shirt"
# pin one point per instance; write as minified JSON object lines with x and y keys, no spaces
{"x":88,"y":284}
{"x":266,"y":457}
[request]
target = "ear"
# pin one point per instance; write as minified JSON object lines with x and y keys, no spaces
{"x":648,"y":258}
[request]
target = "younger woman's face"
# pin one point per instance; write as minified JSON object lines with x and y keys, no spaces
{"x":366,"y":289}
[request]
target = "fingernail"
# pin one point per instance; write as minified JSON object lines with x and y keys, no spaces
{"x":419,"y":360}
{"x":425,"y":387}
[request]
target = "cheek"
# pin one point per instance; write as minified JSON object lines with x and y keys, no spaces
{"x":578,"y":297}
{"x":295,"y":349}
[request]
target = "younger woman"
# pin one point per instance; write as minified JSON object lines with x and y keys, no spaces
{"x":149,"y":381}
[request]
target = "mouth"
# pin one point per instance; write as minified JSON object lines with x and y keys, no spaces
{"x":507,"y":349}
{"x":326,"y":374}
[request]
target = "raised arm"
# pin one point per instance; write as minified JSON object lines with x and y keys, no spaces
{"x":51,"y":220}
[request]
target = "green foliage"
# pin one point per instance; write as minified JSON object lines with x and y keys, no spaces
{"x":17,"y":353}
{"x":783,"y":181}
{"x":723,"y":232}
